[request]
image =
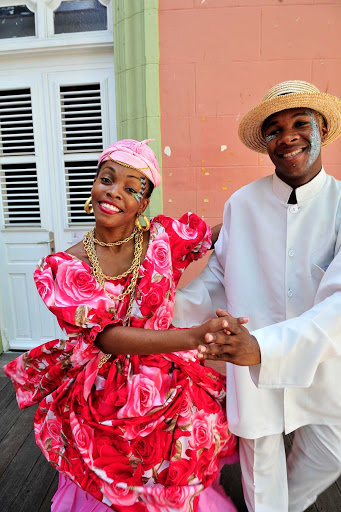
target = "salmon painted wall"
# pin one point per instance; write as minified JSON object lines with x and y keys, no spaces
{"x":217,"y":60}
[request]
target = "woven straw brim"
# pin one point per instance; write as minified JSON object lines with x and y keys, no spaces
{"x":250,"y":128}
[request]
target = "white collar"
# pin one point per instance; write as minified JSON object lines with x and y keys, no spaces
{"x":307,"y":191}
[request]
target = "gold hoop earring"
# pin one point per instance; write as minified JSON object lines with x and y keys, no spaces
{"x":139,"y":225}
{"x":87,"y":207}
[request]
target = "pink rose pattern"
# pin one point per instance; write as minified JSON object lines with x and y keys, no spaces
{"x":143,"y":433}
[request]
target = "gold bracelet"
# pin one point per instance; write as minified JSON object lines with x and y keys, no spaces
{"x":103,"y":360}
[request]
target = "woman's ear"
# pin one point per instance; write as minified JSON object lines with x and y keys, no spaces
{"x":144,"y":203}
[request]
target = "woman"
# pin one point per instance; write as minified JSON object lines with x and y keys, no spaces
{"x":137,"y":424}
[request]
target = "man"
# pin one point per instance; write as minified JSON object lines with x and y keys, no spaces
{"x":278,"y":258}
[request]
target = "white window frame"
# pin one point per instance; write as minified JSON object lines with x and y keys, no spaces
{"x":107,"y":88}
{"x":10,"y":83}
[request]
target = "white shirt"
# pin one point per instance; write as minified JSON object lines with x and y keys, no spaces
{"x":279,"y":264}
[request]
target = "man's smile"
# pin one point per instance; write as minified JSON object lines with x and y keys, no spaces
{"x":290,"y":155}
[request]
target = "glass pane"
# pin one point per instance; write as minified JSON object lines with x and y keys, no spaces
{"x":16,"y":21}
{"x":80,"y":16}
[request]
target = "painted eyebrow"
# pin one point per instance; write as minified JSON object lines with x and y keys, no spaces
{"x":296,"y":114}
{"x":108,"y":168}
{"x":115,"y":172}
{"x":131,"y":176}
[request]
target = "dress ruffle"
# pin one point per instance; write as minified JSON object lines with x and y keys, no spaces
{"x":142,"y":433}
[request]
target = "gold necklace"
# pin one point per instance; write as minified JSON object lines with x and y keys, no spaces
{"x":89,"y":245}
{"x":119,"y":242}
{"x":98,"y":273}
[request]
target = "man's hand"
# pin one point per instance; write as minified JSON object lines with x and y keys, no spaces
{"x":233,"y":344}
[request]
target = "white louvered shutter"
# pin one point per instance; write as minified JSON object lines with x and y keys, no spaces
{"x":19,"y":183}
{"x":81,"y":120}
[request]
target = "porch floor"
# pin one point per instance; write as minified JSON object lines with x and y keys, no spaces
{"x":28,"y":482}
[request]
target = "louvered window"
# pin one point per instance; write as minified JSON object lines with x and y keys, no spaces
{"x":18,"y":172}
{"x":81,"y":112}
{"x":16,"y":122}
{"x":81,"y":118}
{"x":79,"y":177}
{"x":19,"y":188}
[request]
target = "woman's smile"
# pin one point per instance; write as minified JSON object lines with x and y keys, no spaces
{"x":108,"y":207}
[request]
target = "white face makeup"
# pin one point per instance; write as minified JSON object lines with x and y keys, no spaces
{"x":139,"y":195}
{"x":315,"y":139}
{"x":269,"y":138}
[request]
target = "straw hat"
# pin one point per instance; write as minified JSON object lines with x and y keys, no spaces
{"x":291,"y":94}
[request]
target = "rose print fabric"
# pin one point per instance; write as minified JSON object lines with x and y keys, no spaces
{"x":142,"y":433}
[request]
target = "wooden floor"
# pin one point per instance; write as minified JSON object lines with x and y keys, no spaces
{"x":28,"y":482}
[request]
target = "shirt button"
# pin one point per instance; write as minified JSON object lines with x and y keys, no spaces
{"x":293,"y":208}
{"x":291,"y":252}
{"x":289,"y":292}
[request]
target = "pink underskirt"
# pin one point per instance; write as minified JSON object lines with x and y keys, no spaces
{"x":71,"y":498}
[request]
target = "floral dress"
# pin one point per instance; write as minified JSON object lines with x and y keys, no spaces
{"x":141,"y":433}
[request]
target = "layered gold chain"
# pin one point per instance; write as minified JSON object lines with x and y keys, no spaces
{"x":119,"y":242}
{"x":89,"y":245}
{"x":136,"y":259}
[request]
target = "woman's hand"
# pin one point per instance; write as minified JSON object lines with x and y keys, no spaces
{"x":213,"y":327}
{"x":233,"y":343}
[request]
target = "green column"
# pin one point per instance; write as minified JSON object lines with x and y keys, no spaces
{"x":136,"y":51}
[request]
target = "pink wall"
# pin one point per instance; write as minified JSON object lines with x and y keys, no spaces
{"x":217,"y":60}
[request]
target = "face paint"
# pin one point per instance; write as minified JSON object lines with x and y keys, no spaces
{"x":315,"y":140}
{"x":269,"y":138}
{"x":139,"y":194}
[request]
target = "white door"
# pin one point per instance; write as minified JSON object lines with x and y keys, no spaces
{"x":52,"y":129}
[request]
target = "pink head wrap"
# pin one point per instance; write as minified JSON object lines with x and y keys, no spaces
{"x":136,"y":155}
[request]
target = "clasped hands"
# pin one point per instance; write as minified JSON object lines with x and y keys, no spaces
{"x":228,"y":340}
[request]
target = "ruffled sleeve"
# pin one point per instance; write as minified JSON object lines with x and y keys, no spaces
{"x":72,"y":294}
{"x":189,"y":237}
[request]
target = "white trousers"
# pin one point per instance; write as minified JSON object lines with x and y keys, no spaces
{"x":272,"y":484}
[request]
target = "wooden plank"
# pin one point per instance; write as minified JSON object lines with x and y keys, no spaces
{"x":46,"y":504}
{"x":329,"y":501}
{"x":3,"y":381}
{"x":15,"y":437}
{"x":338,"y":483}
{"x":6,"y":396}
{"x":8,"y":417}
{"x":312,"y":508}
{"x":6,"y":357}
{"x":34,"y":489}
{"x":232,"y":482}
{"x":16,"y":473}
